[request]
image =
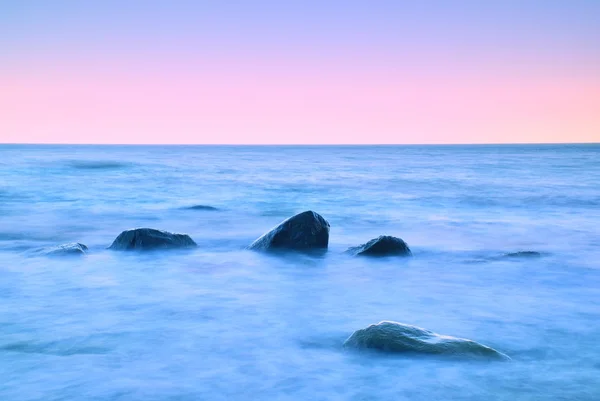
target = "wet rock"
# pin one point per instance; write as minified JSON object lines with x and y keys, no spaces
{"x":97,"y":164}
{"x":397,"y":337}
{"x":201,"y":207}
{"x":302,"y":232}
{"x":523,"y":254}
{"x":148,"y":239}
{"x":70,"y":249}
{"x":383,"y":245}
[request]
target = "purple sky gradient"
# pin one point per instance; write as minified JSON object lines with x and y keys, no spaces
{"x":300,"y":72}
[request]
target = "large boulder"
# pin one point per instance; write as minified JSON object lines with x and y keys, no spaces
{"x":383,"y":245}
{"x":70,"y":249}
{"x":302,"y":232}
{"x":398,"y":337}
{"x":149,"y":239}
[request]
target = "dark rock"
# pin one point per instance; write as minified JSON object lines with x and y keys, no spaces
{"x":71,"y":249}
{"x":149,"y":238}
{"x":523,"y":254}
{"x":97,"y":164}
{"x":302,"y":232}
{"x":384,"y":245}
{"x":201,"y":207}
{"x":398,"y":338}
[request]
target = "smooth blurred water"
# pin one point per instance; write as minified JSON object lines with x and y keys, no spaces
{"x":223,"y":323}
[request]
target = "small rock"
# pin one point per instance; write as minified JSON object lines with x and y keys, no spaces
{"x":149,"y":238}
{"x":384,"y":245}
{"x":201,"y":207}
{"x":70,"y":249}
{"x":523,"y":254}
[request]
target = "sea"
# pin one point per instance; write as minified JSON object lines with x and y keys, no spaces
{"x":221,"y":322}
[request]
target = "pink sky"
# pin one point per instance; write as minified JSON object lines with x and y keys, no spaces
{"x":240,"y":102}
{"x":299,"y":72}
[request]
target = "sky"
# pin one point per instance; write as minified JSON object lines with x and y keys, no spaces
{"x":299,"y":72}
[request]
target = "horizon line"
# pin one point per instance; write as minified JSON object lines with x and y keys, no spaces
{"x":295,"y":144}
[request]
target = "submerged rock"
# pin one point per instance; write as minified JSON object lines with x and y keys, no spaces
{"x":97,"y":164}
{"x":201,"y":207}
{"x":523,"y":254}
{"x":384,"y":245}
{"x":398,"y":337}
{"x":70,"y":249}
{"x":305,"y":231}
{"x":149,"y":238}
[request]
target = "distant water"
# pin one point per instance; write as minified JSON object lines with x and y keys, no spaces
{"x":224,"y":323}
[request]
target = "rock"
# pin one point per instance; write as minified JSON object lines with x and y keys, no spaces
{"x":149,"y":238}
{"x":398,"y":337}
{"x":302,"y":232}
{"x":523,"y":254}
{"x":71,"y":249}
{"x":383,"y":245}
{"x":201,"y":207}
{"x":97,"y":164}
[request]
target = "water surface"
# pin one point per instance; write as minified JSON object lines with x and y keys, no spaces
{"x":224,"y":323}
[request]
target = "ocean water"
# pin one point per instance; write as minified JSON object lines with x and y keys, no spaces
{"x":223,"y":323}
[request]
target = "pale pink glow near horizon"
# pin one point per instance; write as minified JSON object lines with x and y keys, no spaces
{"x":268,"y":72}
{"x":239,"y":102}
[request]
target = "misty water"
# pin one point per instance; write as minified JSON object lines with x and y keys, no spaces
{"x":219,"y":322}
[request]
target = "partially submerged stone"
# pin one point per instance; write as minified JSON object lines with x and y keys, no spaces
{"x":397,"y":337}
{"x":302,"y":232}
{"x":384,"y":245}
{"x":70,"y":249}
{"x":201,"y":207}
{"x":150,"y":239}
{"x":523,"y":254}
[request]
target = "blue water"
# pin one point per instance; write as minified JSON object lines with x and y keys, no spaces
{"x":223,"y":323}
